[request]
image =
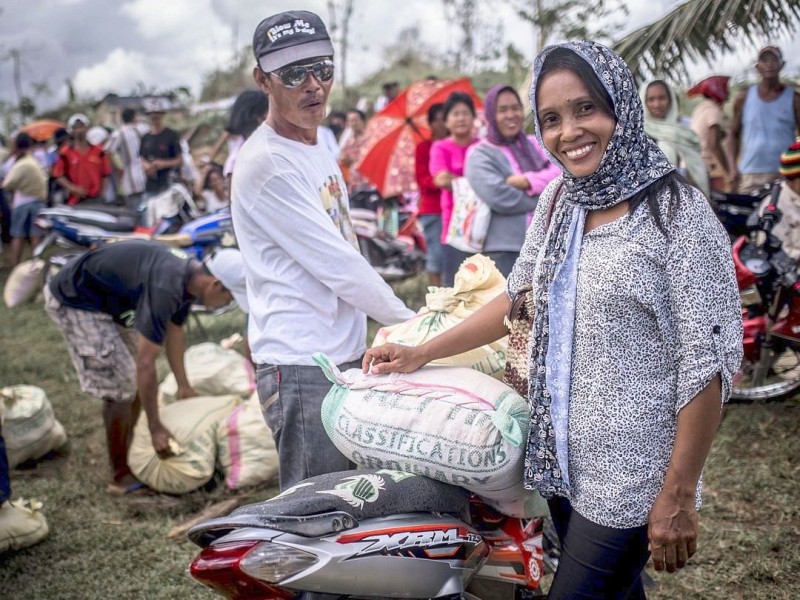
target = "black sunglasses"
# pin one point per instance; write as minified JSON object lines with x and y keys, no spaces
{"x":295,"y":75}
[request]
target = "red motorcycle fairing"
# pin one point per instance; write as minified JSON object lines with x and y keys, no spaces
{"x":754,"y":330}
{"x":744,"y":277}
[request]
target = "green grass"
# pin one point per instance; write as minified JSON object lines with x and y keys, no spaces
{"x":100,"y":547}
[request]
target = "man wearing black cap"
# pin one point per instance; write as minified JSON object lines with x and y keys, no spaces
{"x":766,"y":118}
{"x":309,"y":288}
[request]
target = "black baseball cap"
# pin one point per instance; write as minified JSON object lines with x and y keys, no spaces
{"x":289,"y":37}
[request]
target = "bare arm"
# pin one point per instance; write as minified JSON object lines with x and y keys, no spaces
{"x":483,"y":327}
{"x":71,"y":187}
{"x":717,"y":148}
{"x":672,"y":524}
{"x":444,"y":180}
{"x":147,"y":384}
{"x":176,"y":347}
{"x":796,"y":113}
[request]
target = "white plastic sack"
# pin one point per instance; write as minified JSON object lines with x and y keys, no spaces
{"x":448,"y":423}
{"x":30,"y":428}
{"x":247,"y":453}
{"x":212,"y":371}
{"x":23,"y":283}
{"x":21,"y":524}
{"x":193,"y":424}
{"x":469,"y":220}
{"x":477,"y":282}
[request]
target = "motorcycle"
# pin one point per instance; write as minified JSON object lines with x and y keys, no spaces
{"x":389,"y":235}
{"x":770,"y":294}
{"x":171,"y":217}
{"x":734,"y":210}
{"x":369,"y":534}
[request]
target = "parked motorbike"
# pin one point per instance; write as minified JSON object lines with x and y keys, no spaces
{"x":170,"y":217}
{"x":369,"y":534}
{"x":389,"y":235}
{"x":734,"y":210}
{"x":770,"y":295}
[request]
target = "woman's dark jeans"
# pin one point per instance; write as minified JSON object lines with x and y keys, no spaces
{"x":596,"y":562}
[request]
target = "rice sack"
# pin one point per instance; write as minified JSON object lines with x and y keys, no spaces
{"x":477,"y":282}
{"x":453,"y":424}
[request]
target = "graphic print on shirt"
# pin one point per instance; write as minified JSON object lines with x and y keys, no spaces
{"x":334,"y":202}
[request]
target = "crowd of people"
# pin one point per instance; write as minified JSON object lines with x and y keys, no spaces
{"x":636,"y":332}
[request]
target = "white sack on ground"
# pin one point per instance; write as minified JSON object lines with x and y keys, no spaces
{"x":247,"y":453}
{"x":24,"y":282}
{"x":193,"y":424}
{"x":30,"y":427}
{"x":22,"y":524}
{"x":477,"y":282}
{"x":212,"y":371}
{"x":449,"y":423}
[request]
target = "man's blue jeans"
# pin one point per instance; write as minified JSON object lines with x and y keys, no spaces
{"x":291,"y":401}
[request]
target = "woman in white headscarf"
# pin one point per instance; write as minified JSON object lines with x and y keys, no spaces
{"x":678,"y":142}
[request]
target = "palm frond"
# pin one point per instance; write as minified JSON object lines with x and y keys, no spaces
{"x":702,"y":30}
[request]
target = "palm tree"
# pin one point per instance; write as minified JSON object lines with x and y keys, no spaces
{"x":703,"y":29}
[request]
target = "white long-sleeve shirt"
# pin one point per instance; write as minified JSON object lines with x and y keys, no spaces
{"x":308,"y":286}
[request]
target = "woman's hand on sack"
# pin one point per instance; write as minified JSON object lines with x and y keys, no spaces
{"x":393,"y":358}
{"x":672,"y":530}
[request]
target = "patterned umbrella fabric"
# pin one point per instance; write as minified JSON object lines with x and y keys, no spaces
{"x":392,"y":135}
{"x":43,"y":129}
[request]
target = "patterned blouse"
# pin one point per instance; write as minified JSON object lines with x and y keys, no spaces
{"x":656,"y":318}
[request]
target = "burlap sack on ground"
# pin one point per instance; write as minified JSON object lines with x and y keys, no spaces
{"x":24,"y":281}
{"x":30,"y":427}
{"x":453,"y":424}
{"x":21,"y":525}
{"x":476,"y":283}
{"x":193,"y":424}
{"x":247,"y":453}
{"x":212,"y":371}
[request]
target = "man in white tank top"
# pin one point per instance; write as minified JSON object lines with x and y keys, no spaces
{"x":766,"y":118}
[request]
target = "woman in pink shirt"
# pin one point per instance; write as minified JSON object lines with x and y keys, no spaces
{"x":447,"y":163}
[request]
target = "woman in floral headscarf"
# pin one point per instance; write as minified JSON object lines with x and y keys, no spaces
{"x":508,"y":171}
{"x":707,"y":119}
{"x":635,"y":338}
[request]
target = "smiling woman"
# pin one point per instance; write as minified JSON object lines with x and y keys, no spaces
{"x":508,"y":171}
{"x":635,"y":336}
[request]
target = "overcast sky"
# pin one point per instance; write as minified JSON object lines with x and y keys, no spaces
{"x":110,"y":45}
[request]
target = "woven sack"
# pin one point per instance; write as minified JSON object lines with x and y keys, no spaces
{"x":23,"y":283}
{"x":193,"y":424}
{"x":246,"y":448}
{"x":21,"y":524}
{"x":212,"y":371}
{"x":453,"y":424}
{"x":477,"y":282}
{"x":30,"y":427}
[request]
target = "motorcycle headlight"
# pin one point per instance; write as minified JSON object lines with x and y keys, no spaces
{"x":275,"y":562}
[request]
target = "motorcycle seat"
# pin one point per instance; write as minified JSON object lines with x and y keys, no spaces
{"x":363,"y":495}
{"x":118,"y":225}
{"x":331,"y":503}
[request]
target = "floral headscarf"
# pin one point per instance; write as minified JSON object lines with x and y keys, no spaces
{"x":525,"y":154}
{"x":632,"y":161}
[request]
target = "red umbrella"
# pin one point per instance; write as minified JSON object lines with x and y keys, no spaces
{"x":43,"y":129}
{"x":392,"y":135}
